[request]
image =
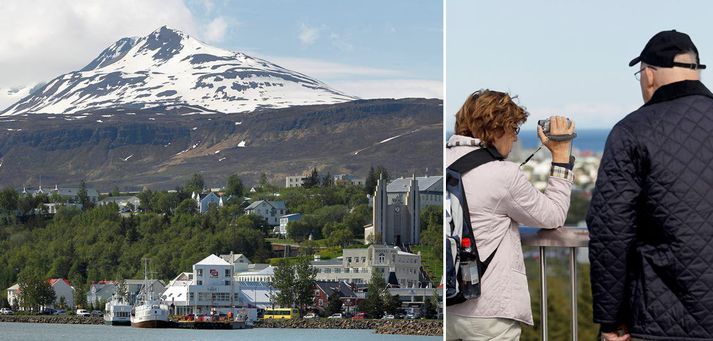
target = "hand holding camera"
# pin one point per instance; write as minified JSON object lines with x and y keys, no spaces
{"x":557,"y":135}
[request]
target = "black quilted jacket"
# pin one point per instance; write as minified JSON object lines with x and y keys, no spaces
{"x":651,"y":219}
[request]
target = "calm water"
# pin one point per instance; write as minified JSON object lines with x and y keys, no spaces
{"x":46,"y":331}
{"x":587,"y":139}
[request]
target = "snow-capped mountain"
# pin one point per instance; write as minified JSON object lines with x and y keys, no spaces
{"x":169,"y":68}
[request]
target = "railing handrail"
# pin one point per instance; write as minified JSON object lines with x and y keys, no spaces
{"x":569,"y":237}
{"x":560,"y":237}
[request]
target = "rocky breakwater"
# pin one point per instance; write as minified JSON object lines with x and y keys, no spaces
{"x":403,"y":327}
{"x":64,"y":319}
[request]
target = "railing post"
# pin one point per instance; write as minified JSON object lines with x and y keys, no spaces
{"x":573,"y":289}
{"x":543,"y":293}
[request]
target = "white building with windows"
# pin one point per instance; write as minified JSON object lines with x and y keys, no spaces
{"x":284,"y":220}
{"x":357,"y":266}
{"x":63,"y":293}
{"x":294,"y":181}
{"x":210,"y":287}
{"x":271,"y":211}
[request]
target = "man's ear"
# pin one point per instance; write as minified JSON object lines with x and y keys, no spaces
{"x":649,"y":77}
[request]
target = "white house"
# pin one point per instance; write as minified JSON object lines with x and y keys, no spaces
{"x":128,"y":203}
{"x":284,"y":220}
{"x":348,"y":179}
{"x":68,"y":193}
{"x":204,"y":200}
{"x":270,"y":210}
{"x":63,"y":292}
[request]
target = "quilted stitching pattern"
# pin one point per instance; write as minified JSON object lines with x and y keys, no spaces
{"x":651,"y":222}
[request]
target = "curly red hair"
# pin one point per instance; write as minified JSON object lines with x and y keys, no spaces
{"x":487,"y":114}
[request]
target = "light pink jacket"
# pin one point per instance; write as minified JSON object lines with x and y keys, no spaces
{"x":500,"y":198}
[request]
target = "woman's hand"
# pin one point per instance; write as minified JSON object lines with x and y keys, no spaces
{"x":559,"y":149}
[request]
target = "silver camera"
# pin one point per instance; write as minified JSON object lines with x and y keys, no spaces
{"x":545,"y":124}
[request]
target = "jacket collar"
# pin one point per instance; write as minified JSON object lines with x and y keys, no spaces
{"x":675,"y":90}
{"x":467,"y":141}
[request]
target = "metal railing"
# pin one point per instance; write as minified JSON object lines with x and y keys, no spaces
{"x":568,"y":237}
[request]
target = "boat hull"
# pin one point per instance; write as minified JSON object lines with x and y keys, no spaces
{"x":152,"y":324}
{"x":117,"y":323}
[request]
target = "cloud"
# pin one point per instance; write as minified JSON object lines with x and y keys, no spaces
{"x":42,"y":39}
{"x":329,"y":70}
{"x":391,"y":88}
{"x":340,"y":42}
{"x":208,"y":6}
{"x":308,"y":35}
{"x":215,"y":30}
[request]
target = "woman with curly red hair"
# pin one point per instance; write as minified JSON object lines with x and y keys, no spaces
{"x":500,"y":198}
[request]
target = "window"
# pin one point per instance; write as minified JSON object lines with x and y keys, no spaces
{"x":227,"y":272}
{"x":337,"y":270}
{"x":227,"y":282}
{"x":200,"y":272}
{"x":200,"y":282}
{"x":356,"y":270}
{"x":381,"y":258}
{"x":363,"y":259}
{"x":349,"y":259}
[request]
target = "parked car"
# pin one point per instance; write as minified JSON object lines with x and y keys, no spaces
{"x":311,"y":316}
{"x":59,"y":312}
{"x":96,"y":313}
{"x":388,"y":317}
{"x":5,"y":311}
{"x":335,"y":316}
{"x":83,"y":313}
{"x":412,"y":316}
{"x":47,"y":311}
{"x":359,"y":316}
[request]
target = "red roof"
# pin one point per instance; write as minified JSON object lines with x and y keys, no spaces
{"x":53,"y":281}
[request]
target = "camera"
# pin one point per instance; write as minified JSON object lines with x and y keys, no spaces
{"x":545,"y":124}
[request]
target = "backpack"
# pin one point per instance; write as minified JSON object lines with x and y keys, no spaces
{"x":463,"y":265}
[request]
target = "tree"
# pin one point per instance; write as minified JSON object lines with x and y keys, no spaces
{"x":264,"y":183}
{"x":195,"y":184}
{"x":8,"y":199}
{"x":313,"y":180}
{"x":234,"y":186}
{"x":334,"y":304}
{"x":373,"y":304}
{"x":392,"y":304}
{"x":122,"y":292}
{"x":327,"y":180}
{"x":340,"y":238}
{"x":35,"y":292}
{"x":83,"y":196}
{"x":295,"y":282}
{"x":115,"y":191}
{"x":430,"y":307}
{"x":374,"y":175}
{"x":187,"y":206}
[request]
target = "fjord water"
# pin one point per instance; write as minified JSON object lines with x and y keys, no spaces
{"x":45,"y":331}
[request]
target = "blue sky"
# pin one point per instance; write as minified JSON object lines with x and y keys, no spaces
{"x":365,"y":48}
{"x":562,"y":57}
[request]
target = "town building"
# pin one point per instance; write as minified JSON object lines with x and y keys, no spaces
{"x":294,"y":181}
{"x":204,"y":200}
{"x":63,"y":293}
{"x":262,"y":275}
{"x":101,"y":291}
{"x":357,"y":266}
{"x":271,"y":211}
{"x":284,"y":220}
{"x":68,"y":194}
{"x":125,"y":203}
{"x":396,"y":209}
{"x":240,"y":262}
{"x":324,"y":289}
{"x":210,"y":287}
{"x":343,"y":179}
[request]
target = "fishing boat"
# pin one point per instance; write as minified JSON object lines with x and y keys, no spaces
{"x":149,"y":311}
{"x":117,"y":312}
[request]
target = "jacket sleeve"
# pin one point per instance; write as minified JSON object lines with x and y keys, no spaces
{"x":528,"y":206}
{"x":611,"y":220}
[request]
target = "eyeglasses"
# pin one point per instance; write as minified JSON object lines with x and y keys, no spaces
{"x":637,"y":74}
{"x":517,"y":130}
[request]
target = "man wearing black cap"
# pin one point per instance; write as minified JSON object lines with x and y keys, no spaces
{"x":651,"y":216}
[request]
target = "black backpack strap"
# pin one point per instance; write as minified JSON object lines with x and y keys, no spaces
{"x":474,"y":159}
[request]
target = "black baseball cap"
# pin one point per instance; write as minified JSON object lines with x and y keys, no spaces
{"x":663,"y":48}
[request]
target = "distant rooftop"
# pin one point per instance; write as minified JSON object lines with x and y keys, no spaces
{"x":425,"y":184}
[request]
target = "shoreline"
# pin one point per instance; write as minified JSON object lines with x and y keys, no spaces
{"x":399,"y":327}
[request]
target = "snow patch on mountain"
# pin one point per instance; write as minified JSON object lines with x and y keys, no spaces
{"x":170,"y":69}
